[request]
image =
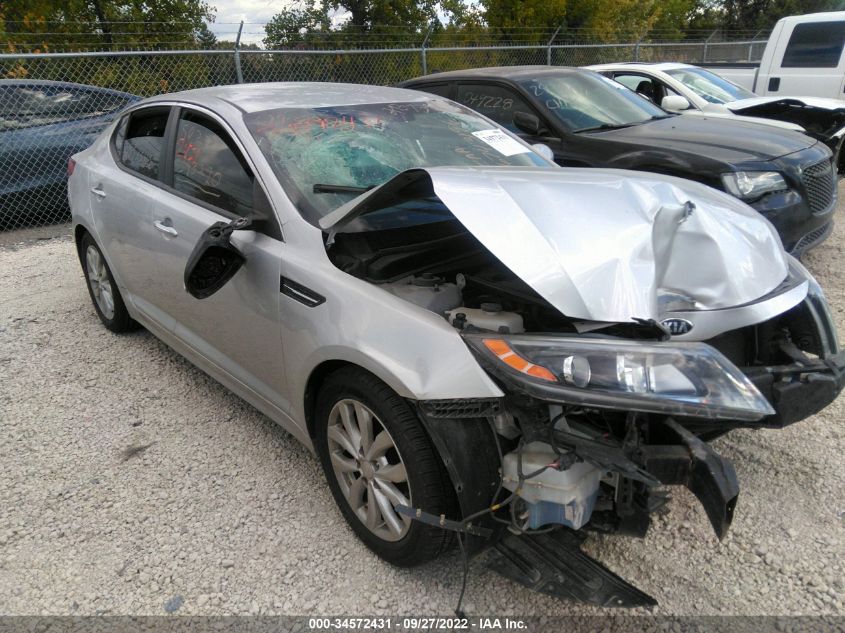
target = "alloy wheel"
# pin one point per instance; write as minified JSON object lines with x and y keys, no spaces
{"x":369,"y":469}
{"x":99,"y":282}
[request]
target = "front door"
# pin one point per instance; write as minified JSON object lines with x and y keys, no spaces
{"x":237,"y":328}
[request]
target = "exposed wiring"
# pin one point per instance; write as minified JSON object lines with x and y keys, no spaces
{"x":496,"y":506}
{"x":521,"y":478}
{"x":465,"y":564}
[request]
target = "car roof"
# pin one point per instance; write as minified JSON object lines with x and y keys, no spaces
{"x":499,"y":72}
{"x":271,"y":95}
{"x":644,"y":65}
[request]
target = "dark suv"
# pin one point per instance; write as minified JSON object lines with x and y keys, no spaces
{"x":591,"y":121}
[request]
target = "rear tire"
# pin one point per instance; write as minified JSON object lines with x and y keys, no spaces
{"x":102,"y":288}
{"x":375,"y":454}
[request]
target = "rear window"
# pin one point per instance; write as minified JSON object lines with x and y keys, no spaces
{"x":441,"y":90}
{"x":815,"y":45}
{"x":140,"y":139}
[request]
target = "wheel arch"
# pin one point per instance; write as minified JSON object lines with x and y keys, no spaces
{"x":466,"y":447}
{"x":315,"y":380}
{"x":80,"y":230}
{"x":79,"y":233}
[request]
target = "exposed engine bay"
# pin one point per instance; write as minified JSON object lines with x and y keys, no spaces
{"x":598,"y":416}
{"x":443,"y":268}
{"x":823,"y":119}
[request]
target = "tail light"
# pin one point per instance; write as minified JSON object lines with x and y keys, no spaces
{"x":71,"y":165}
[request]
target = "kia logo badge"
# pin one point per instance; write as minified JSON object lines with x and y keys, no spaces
{"x":677,"y":327}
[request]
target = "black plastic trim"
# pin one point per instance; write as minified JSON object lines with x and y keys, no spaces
{"x":300,"y":293}
{"x":456,"y":408}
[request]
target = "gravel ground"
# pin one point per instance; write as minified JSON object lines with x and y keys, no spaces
{"x":131,"y":483}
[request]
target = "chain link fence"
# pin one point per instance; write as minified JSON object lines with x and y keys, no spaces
{"x":53,"y":105}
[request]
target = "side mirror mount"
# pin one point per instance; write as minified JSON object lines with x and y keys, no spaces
{"x":214,"y":260}
{"x":675,"y":103}
{"x":261,"y":208}
{"x":262,"y":214}
{"x":528,"y":123}
{"x":544,"y":150}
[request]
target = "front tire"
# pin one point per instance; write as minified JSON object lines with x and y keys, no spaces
{"x":102,"y":288}
{"x":376,"y":455}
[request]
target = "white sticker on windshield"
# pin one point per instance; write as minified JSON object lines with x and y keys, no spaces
{"x":501,"y":142}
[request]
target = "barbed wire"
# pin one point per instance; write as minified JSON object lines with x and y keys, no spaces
{"x":138,"y":35}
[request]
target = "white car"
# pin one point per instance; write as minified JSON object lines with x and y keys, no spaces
{"x":694,"y":90}
{"x":476,"y":343}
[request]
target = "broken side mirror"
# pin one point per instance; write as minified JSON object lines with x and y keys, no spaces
{"x":214,"y":260}
{"x":528,"y":123}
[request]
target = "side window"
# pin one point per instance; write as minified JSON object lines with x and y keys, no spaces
{"x":815,"y":45}
{"x":441,"y":90}
{"x":209,"y":167}
{"x":140,"y":139}
{"x":496,"y":102}
{"x":640,"y":84}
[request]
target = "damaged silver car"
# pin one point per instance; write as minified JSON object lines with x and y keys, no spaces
{"x":480,"y":346}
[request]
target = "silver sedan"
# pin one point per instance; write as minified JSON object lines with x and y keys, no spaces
{"x":468,"y":336}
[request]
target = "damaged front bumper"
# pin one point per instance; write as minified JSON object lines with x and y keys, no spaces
{"x":799,"y":390}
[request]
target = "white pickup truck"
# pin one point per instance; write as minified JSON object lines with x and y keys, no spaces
{"x":803,"y":57}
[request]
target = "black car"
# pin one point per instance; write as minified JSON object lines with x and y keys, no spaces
{"x":43,"y":123}
{"x":591,"y":121}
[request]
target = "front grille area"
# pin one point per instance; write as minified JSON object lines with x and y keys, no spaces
{"x":813,"y":238}
{"x":820,"y":185}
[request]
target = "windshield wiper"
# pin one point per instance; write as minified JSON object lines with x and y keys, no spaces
{"x":320,"y":188}
{"x":606,"y":126}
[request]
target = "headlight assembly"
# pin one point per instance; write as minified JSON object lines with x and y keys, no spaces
{"x":685,"y":379}
{"x":748,"y":185}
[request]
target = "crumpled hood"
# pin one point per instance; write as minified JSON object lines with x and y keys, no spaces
{"x":603,"y":244}
{"x":821,"y":103}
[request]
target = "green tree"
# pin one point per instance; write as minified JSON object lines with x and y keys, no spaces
{"x":762,"y":14}
{"x":368,"y":14}
{"x":205,"y":38}
{"x":606,"y":20}
{"x":508,"y":15}
{"x":47,"y":24}
{"x":296,"y":24}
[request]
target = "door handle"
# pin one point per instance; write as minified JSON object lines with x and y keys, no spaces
{"x":165,"y":228}
{"x":98,"y":192}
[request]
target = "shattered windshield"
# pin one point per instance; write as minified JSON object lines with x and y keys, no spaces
{"x":588,"y":101}
{"x":710,"y":86}
{"x":326,"y":156}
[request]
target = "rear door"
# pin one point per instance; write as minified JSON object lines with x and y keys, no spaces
{"x":808,"y":61}
{"x":207,"y":179}
{"x":122,"y":184}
